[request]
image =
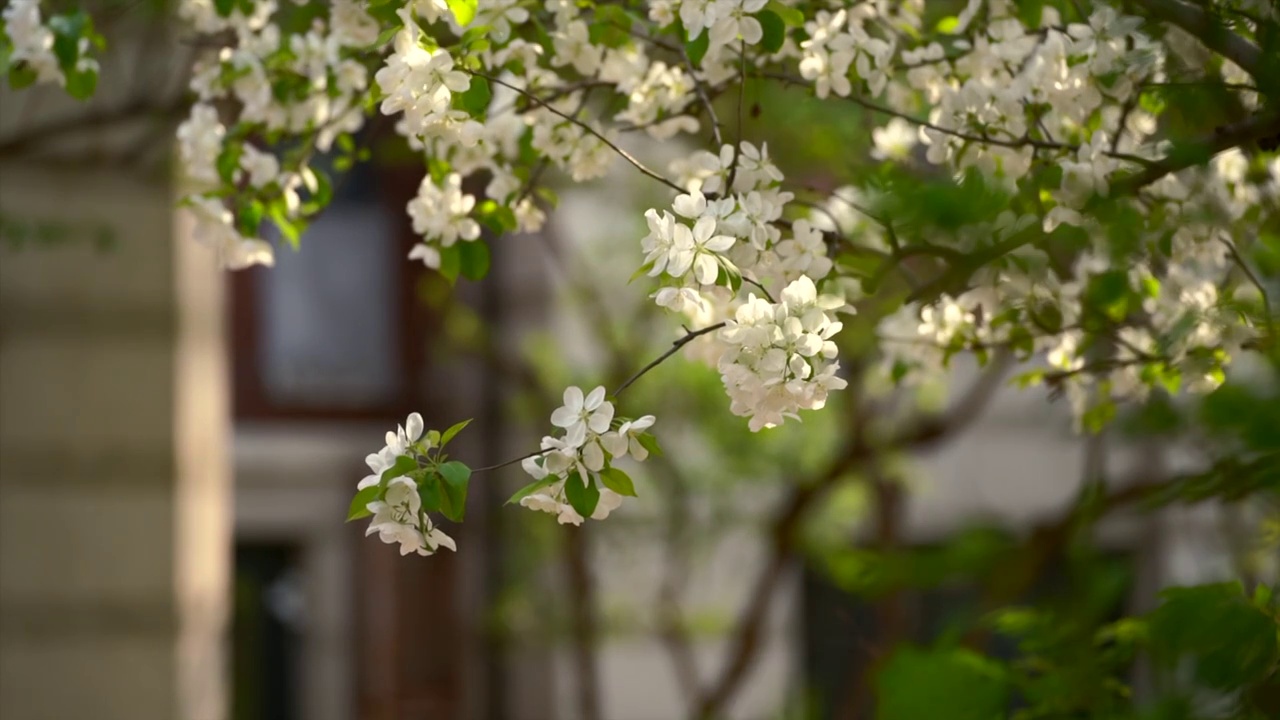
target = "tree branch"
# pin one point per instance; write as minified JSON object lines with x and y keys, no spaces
{"x":1255,"y":127}
{"x":1205,"y":27}
{"x":687,"y":338}
{"x":21,"y":142}
{"x":596,"y":133}
{"x":745,"y":640}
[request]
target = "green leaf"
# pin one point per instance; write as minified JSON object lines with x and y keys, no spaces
{"x":582,"y":495}
{"x":249,"y":217}
{"x":323,"y":193}
{"x":1109,"y":294}
{"x":641,"y":272}
{"x":948,"y":25}
{"x":464,"y":11}
{"x":67,"y":31}
{"x":531,"y":488}
{"x":793,"y":17}
{"x":455,"y":473}
{"x":358,"y":508}
{"x":618,"y":481}
{"x":606,"y":34}
{"x":476,"y":98}
{"x":21,"y":75}
{"x":1229,"y":640}
{"x":433,"y":499}
{"x":453,"y":431}
{"x":229,"y":161}
{"x":474,"y":259}
{"x":402,"y":466}
{"x":943,"y":684}
{"x":697,"y":48}
{"x":387,"y":35}
{"x":454,"y":501}
{"x":650,"y":443}
{"x":775,"y":31}
{"x":451,"y":262}
{"x":615,"y":14}
{"x":290,"y":229}
{"x":81,"y":84}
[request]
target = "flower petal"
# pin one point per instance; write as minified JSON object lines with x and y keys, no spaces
{"x":413,"y":427}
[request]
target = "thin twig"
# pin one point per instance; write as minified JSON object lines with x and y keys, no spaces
{"x":512,"y":461}
{"x":701,"y":89}
{"x":928,"y":430}
{"x":598,"y":135}
{"x":675,"y":347}
{"x":1019,"y":142}
{"x":762,"y":289}
{"x":742,"y":90}
{"x":1209,"y":30}
{"x":1262,"y":290}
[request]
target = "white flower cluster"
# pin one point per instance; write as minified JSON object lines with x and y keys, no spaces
{"x":32,"y":41}
{"x":1013,"y":103}
{"x":780,"y":358}
{"x":1013,"y":81}
{"x":398,"y":515}
{"x":420,"y":83}
{"x":441,"y":213}
{"x":838,"y":41}
{"x":580,"y":456}
{"x":725,"y":229}
{"x":308,"y":84}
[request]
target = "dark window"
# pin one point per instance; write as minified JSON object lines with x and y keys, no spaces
{"x":267,"y":616}
{"x":334,"y":331}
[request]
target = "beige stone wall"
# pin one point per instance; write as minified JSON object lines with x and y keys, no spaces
{"x":114,"y":524}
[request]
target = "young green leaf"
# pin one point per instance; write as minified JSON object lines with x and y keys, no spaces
{"x":82,"y":83}
{"x":402,"y":466}
{"x":433,"y":498}
{"x":464,"y":11}
{"x":456,"y":473}
{"x":697,"y":47}
{"x":582,"y":495}
{"x":791,"y":16}
{"x":618,"y":481}
{"x":359,"y":503}
{"x":775,"y":31}
{"x":451,"y":262}
{"x":453,"y":431}
{"x":650,"y":443}
{"x":476,"y":99}
{"x":941,"y":684}
{"x":474,"y":259}
{"x":21,"y":75}
{"x":531,"y":488}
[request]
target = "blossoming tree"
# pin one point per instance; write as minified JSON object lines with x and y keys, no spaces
{"x":1046,"y":193}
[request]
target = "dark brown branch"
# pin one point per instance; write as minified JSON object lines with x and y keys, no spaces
{"x":44,"y":132}
{"x":675,"y":347}
{"x":1257,"y":284}
{"x":745,"y":639}
{"x":1196,"y":152}
{"x":1210,"y":31}
{"x":1014,"y":142}
{"x":585,"y":126}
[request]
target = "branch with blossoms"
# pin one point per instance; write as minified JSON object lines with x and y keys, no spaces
{"x":1029,"y":182}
